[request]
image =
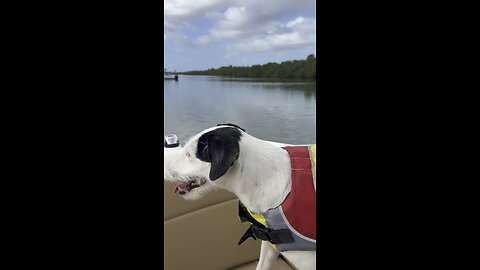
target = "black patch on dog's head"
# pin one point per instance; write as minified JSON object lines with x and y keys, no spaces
{"x":232,"y":125}
{"x":219,"y":147}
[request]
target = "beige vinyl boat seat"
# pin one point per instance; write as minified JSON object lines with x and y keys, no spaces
{"x":203,"y":234}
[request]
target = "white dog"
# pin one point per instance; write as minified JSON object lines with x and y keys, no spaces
{"x":258,"y":172}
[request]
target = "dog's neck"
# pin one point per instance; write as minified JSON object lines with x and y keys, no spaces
{"x":262,"y":175}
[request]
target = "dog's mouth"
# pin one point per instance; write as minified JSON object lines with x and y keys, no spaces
{"x":184,"y":187}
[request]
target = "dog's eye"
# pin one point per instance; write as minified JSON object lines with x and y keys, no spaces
{"x":188,"y":154}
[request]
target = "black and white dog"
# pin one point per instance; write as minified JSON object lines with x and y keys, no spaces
{"x":258,"y":172}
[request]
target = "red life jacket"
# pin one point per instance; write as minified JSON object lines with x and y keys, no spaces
{"x":300,"y":205}
{"x":291,"y":225}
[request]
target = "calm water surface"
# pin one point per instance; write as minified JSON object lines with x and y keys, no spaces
{"x":281,"y":111}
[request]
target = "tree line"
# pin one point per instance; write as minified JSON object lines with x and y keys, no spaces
{"x":296,"y":69}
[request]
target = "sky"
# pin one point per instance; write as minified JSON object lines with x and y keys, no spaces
{"x":203,"y":34}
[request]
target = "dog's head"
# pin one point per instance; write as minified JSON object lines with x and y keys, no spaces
{"x":204,"y":160}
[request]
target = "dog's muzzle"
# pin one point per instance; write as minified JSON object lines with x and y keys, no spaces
{"x":184,"y":187}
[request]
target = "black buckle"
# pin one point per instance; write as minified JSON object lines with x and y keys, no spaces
{"x":245,"y":215}
{"x":262,"y":233}
{"x":258,"y":230}
{"x":267,"y":234}
{"x":249,"y":233}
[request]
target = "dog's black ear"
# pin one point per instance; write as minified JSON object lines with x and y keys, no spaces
{"x":220,"y":147}
{"x":223,"y":151}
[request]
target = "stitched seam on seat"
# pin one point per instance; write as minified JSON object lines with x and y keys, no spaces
{"x":201,"y":209}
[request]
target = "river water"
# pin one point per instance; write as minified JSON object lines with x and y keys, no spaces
{"x":280,"y":111}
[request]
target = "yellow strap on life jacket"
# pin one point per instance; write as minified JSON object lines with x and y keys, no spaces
{"x":259,"y":218}
{"x":313,"y":156}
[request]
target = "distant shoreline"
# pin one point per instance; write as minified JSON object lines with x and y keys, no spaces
{"x":262,"y":79}
{"x":295,"y":69}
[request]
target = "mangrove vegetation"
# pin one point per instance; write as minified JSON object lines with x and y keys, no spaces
{"x":295,"y":69}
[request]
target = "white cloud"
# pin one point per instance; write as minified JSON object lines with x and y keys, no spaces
{"x":238,"y":26}
{"x":298,"y":20}
{"x":190,"y":8}
{"x":298,"y":32}
{"x":178,"y":13}
{"x":259,"y":22}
